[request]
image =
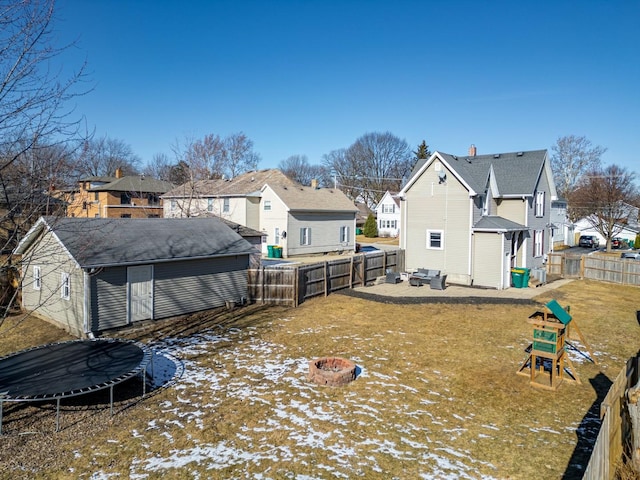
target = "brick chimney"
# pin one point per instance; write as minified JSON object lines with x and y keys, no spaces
{"x":118,"y":172}
{"x":472,"y":150}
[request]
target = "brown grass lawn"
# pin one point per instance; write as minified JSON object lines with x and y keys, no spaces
{"x":437,"y":395}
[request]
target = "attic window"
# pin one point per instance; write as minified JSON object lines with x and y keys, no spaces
{"x":267,"y":204}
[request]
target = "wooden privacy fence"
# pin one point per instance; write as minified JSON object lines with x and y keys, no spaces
{"x":615,"y":430}
{"x":292,"y":284}
{"x":594,"y":267}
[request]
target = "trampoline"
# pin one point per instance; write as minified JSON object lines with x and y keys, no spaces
{"x":68,"y":369}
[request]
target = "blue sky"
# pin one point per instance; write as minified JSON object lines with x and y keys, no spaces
{"x":308,"y":77}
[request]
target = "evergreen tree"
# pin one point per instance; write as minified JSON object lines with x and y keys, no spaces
{"x":423,"y":151}
{"x":371,"y":227}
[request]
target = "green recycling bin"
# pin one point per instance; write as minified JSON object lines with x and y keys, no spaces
{"x":525,"y":277}
{"x":277,"y":251}
{"x":270,"y":251}
{"x":517,"y":277}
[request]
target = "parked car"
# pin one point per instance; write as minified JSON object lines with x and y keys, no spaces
{"x":589,"y":241}
{"x":616,"y":242}
{"x":633,"y":255}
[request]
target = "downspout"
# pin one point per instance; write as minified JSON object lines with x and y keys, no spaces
{"x":86,"y":305}
{"x":525,"y":244}
{"x":470,"y":252}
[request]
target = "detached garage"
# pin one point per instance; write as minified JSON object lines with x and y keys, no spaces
{"x":92,"y":274}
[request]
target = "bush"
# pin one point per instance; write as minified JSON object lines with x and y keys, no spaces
{"x":371,"y":227}
{"x":637,"y":245}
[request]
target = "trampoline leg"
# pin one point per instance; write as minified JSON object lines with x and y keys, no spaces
{"x":111,"y":392}
{"x":58,"y":414}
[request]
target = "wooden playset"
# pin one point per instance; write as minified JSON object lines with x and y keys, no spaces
{"x":548,"y":361}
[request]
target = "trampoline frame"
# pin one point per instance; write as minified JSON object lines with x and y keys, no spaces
{"x":141,"y":368}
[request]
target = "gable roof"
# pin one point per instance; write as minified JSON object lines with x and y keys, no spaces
{"x":309,"y":199}
{"x":513,"y":174}
{"x":247,"y":184}
{"x":100,"y":242}
{"x":134,"y":183}
{"x":394,"y":196}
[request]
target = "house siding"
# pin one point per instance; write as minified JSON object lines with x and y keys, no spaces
{"x":108,"y":299}
{"x":487,"y":272}
{"x":47,"y":302}
{"x":277,"y":217}
{"x":194,"y":285}
{"x":325,"y":232}
{"x":451,"y":204}
{"x":539,"y":223}
{"x":513,"y":209}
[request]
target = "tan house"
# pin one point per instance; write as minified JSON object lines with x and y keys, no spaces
{"x":133,"y":196}
{"x":476,"y":217}
{"x":236,"y":200}
{"x":268,"y":201}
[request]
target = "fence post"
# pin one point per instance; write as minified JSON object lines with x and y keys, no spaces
{"x":262,"y":284}
{"x":296,"y":283}
{"x":582,"y":267}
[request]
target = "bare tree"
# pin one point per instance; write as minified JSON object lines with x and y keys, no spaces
{"x":159,"y":167}
{"x":215,"y":157}
{"x":102,"y":156}
{"x":36,"y":120}
{"x":298,"y":169}
{"x":239,"y":155}
{"x":573,"y":156}
{"x":373,"y":164}
{"x":602,"y":197}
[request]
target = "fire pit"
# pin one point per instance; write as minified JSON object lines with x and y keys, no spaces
{"x":332,"y":371}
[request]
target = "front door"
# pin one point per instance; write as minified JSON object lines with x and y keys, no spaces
{"x":140,"y":293}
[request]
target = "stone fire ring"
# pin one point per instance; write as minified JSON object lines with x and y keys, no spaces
{"x":332,"y":371}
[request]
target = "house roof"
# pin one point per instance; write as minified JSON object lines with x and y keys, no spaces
{"x":134,"y":183}
{"x":309,"y":199}
{"x":100,"y":242}
{"x":514,"y":174}
{"x":493,"y":223}
{"x":102,"y":179}
{"x":247,"y":184}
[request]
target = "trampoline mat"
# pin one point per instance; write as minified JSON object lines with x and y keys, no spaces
{"x":69,"y":368}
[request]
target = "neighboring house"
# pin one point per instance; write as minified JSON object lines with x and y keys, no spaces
{"x":307,"y":220}
{"x":585,"y":226}
{"x":237,"y":199}
{"x":87,"y":275}
{"x":562,"y":229}
{"x":388,"y":215}
{"x":475,"y":217}
{"x":134,"y":196}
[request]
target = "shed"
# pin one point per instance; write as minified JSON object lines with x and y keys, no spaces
{"x":92,"y":274}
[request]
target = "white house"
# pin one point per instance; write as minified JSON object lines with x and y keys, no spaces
{"x":307,"y":220}
{"x":388,"y":215}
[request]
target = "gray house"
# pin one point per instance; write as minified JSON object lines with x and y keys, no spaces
{"x":477,"y":216}
{"x":87,"y":275}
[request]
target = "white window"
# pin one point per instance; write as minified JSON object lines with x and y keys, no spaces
{"x":305,"y":236}
{"x":276,"y":236}
{"x":225,"y":205}
{"x":435,"y":239}
{"x":344,"y":234}
{"x":539,"y":204}
{"x":388,"y":208}
{"x":37,"y":278}
{"x":209,"y":204}
{"x":267,"y":204}
{"x":538,"y":242}
{"x":65,"y":286}
{"x":388,"y":224}
{"x":174,"y":205}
